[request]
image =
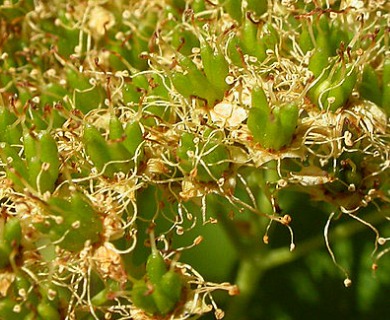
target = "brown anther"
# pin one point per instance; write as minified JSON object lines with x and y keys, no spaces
{"x":286,"y":219}
{"x":234,"y":290}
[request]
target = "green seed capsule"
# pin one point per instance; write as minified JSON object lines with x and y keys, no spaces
{"x":233,"y":51}
{"x":130,"y":93}
{"x":79,"y":222}
{"x":47,"y":311}
{"x":118,"y":152}
{"x":273,"y":129}
{"x":213,"y":155}
{"x":386,"y":86}
{"x":215,"y":66}
{"x":117,"y":149}
{"x":288,"y":120}
{"x":12,"y":134}
{"x":49,"y":153}
{"x":16,"y":169}
{"x":250,"y":41}
{"x":141,"y":296}
{"x":305,"y":40}
{"x":155,"y":267}
{"x":86,"y":96}
{"x":115,"y":129}
{"x":171,"y":284}
{"x":134,"y":138}
{"x":42,"y":159}
{"x":257,"y":6}
{"x":97,"y":149}
{"x":334,"y":91}
{"x":9,"y":132}
{"x":7,"y":308}
{"x":5,"y":252}
{"x":233,"y":8}
{"x":12,"y":232}
{"x":163,"y":302}
{"x":259,"y":99}
{"x":369,"y":87}
{"x":319,"y":60}
{"x":196,"y":80}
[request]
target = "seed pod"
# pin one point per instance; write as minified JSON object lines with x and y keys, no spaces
{"x":319,"y":60}
{"x":386,"y":86}
{"x":97,"y":149}
{"x":273,"y":129}
{"x":78,"y":222}
{"x":115,"y":128}
{"x":197,"y":81}
{"x":233,"y":8}
{"x":49,"y":153}
{"x":16,"y":169}
{"x":233,"y":51}
{"x":86,"y":96}
{"x":259,"y":99}
{"x":288,"y":120}
{"x":155,"y":267}
{"x":334,"y":91}
{"x":12,"y":232}
{"x":130,"y":93}
{"x":47,"y":311}
{"x":259,"y":7}
{"x":39,"y":150}
{"x":213,"y":155}
{"x":12,"y":134}
{"x":5,"y":252}
{"x":215,"y":66}
{"x":9,"y":132}
{"x":369,"y":87}
{"x":171,"y":285}
{"x":163,"y":302}
{"x":7,"y":308}
{"x":180,"y":82}
{"x":250,"y":40}
{"x":142,"y":298}
{"x":305,"y":40}
{"x":118,"y":152}
{"x":117,"y":149}
{"x":134,"y":139}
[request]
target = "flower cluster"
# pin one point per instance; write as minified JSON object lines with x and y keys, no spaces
{"x":122,"y":122}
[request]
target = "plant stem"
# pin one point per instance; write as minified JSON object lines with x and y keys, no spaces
{"x":248,"y":277}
